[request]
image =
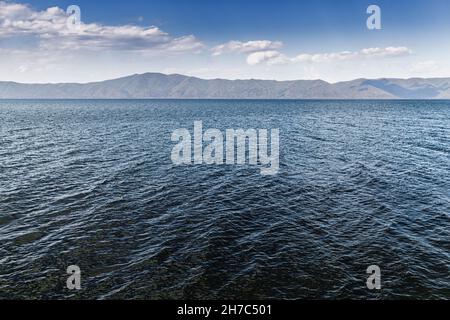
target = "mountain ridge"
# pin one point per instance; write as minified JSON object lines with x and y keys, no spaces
{"x":176,"y":86}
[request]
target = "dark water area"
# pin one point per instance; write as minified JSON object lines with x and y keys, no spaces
{"x":91,"y":183}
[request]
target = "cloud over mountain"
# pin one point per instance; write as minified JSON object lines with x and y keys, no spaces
{"x":246,"y":47}
{"x":274,"y":57}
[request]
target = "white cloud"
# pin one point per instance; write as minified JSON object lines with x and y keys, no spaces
{"x":246,"y":47}
{"x":274,"y":57}
{"x":425,"y":66}
{"x":22,"y":69}
{"x":269,"y":57}
{"x":49,"y":27}
{"x":386,"y":52}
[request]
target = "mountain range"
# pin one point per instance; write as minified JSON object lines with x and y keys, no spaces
{"x":175,"y":86}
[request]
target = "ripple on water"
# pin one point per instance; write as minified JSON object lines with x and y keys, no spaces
{"x":91,"y":183}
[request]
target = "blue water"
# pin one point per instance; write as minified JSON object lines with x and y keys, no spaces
{"x":91,"y":183}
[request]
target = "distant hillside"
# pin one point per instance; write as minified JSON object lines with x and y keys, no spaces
{"x":156,"y":85}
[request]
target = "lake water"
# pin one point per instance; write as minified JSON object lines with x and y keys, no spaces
{"x":91,"y":183}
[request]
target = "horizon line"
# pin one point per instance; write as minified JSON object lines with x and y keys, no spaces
{"x":221,"y":99}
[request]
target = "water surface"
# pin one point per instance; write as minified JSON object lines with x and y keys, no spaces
{"x":91,"y":183}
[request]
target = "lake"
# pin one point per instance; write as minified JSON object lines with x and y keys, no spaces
{"x":91,"y":183}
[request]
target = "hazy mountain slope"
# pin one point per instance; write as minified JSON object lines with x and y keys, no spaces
{"x":156,"y":85}
{"x":414,"y":88}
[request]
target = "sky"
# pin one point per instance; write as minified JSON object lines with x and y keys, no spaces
{"x":231,"y":39}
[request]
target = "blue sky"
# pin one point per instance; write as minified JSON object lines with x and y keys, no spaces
{"x":284,"y":39}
